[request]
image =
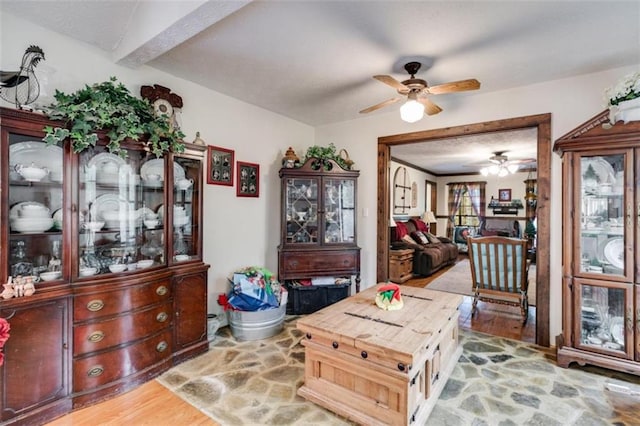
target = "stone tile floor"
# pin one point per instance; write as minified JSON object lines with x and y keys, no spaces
{"x":496,"y":382}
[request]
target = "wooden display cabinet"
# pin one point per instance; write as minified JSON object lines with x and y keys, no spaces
{"x":601,"y":242}
{"x":318,"y":222}
{"x":119,"y":241}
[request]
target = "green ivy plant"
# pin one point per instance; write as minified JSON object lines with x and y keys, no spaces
{"x":110,"y":107}
{"x":326,"y":153}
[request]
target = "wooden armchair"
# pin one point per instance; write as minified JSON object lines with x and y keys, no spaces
{"x":499,"y":271}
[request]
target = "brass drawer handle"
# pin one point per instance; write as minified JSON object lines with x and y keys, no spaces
{"x":95,"y":305}
{"x":162,"y":290}
{"x":96,"y":336}
{"x":162,"y":346}
{"x":162,"y":317}
{"x":95,"y":371}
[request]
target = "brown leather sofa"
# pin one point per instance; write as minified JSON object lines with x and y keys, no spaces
{"x":430,"y":254}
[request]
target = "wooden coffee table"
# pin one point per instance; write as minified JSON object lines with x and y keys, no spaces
{"x":379,"y":367}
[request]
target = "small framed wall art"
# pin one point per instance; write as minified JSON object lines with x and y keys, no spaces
{"x":504,"y":195}
{"x":248,"y":179}
{"x":220,"y":162}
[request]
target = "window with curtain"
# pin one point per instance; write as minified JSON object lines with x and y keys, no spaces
{"x":466,"y":215}
{"x":466,"y":204}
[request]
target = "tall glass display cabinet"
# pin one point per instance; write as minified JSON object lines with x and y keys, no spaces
{"x":601,"y":216}
{"x":101,"y":261}
{"x":318,"y":222}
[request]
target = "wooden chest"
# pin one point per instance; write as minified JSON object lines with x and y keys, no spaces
{"x":380,"y":367}
{"x":400,"y":265}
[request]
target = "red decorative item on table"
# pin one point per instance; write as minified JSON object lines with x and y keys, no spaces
{"x":388,"y":297}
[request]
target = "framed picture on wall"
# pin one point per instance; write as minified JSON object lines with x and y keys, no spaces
{"x":504,"y":195}
{"x":220,"y":166}
{"x":248,"y":179}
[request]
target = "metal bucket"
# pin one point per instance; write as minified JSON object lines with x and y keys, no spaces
{"x":256,"y":325}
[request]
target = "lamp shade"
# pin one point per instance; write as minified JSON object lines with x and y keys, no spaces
{"x":392,"y":223}
{"x":428,"y":217}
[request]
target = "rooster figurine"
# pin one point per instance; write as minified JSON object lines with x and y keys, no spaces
{"x":21,"y":87}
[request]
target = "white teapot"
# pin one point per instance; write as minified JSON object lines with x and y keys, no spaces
{"x":32,"y":172}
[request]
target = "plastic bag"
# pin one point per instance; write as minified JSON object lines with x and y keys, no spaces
{"x":252,"y":290}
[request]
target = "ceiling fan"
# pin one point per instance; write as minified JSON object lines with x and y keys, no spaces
{"x":416,"y":90}
{"x":502,"y":166}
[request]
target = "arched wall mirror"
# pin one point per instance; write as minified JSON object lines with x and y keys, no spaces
{"x":542,"y":125}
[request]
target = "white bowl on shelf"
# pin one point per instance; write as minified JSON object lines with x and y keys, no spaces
{"x":31,"y":224}
{"x":33,"y":213}
{"x":93,"y":226}
{"x":50,"y":275}
{"x":144,"y":263}
{"x":181,"y":257}
{"x":118,"y":267}
{"x":87,"y":271}
{"x":31,"y":173}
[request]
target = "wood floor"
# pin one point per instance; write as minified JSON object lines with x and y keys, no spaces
{"x":490,"y":318}
{"x":148,"y":405}
{"x":152,"y":404}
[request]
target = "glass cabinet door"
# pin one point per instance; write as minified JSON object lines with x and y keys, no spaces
{"x":603,"y":231}
{"x":301,"y":209}
{"x":187,"y":174}
{"x":605,"y":322}
{"x":35,"y":209}
{"x":121,"y":209}
{"x":339,"y":210}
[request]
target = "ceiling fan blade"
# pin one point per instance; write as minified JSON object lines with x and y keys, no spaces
{"x":523,"y":161}
{"x":429,"y":107}
{"x":387,"y":79}
{"x":380,"y":105}
{"x":454,"y":86}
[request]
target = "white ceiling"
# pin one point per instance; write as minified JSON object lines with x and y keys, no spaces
{"x":468,"y":154}
{"x":313,"y":61}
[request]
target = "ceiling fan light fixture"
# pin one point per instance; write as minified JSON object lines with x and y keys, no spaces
{"x":484,"y":171}
{"x":412,"y":110}
{"x":503,"y":172}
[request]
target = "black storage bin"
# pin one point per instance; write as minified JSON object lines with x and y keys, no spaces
{"x":308,"y":299}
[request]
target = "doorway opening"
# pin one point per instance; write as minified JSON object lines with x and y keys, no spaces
{"x":542,"y":124}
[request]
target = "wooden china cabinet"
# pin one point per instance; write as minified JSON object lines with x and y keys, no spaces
{"x":601,"y":241}
{"x":114,"y":246}
{"x":318,"y":222}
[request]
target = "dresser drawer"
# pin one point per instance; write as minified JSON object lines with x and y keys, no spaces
{"x":313,"y":263}
{"x":101,"y":304}
{"x":98,"y":370}
{"x":119,"y":330}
